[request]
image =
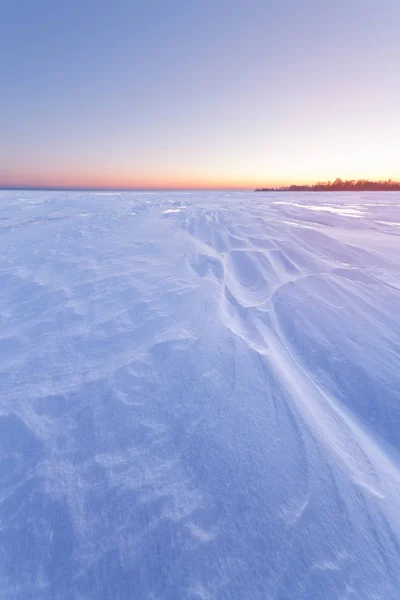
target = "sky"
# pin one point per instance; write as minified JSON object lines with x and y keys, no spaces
{"x":198,"y":94}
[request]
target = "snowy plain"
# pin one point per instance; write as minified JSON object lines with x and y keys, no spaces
{"x":199,"y":396}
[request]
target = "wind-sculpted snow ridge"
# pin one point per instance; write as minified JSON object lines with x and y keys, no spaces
{"x":199,"y":396}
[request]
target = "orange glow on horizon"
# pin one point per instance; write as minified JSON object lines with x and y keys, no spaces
{"x":160,"y":183}
{"x":99,"y":182}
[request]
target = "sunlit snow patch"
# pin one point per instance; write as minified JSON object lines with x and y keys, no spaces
{"x":173,"y":210}
{"x":346,"y":211}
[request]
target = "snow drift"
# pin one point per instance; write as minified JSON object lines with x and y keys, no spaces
{"x":199,"y":396}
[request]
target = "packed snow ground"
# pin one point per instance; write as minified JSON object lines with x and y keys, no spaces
{"x":199,"y":396}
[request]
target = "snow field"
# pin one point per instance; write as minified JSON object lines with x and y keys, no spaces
{"x":200,"y":395}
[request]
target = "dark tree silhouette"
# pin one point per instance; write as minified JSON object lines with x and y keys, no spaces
{"x":339,"y":185}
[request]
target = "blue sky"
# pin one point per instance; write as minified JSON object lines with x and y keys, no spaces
{"x":212,"y":93}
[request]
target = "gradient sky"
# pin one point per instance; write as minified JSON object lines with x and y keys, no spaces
{"x":230,"y":93}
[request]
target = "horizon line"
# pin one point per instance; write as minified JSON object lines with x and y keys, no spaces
{"x":159,"y":188}
{"x":120,"y":189}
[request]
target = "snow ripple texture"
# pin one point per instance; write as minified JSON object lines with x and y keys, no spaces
{"x":199,"y":396}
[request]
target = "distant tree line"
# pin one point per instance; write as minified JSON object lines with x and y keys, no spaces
{"x":340,"y":185}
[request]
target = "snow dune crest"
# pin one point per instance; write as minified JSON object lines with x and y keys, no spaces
{"x":200,"y":395}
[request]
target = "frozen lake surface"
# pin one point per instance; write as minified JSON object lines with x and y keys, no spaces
{"x":199,"y":396}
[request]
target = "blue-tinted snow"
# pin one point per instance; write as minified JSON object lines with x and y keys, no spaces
{"x":199,"y":396}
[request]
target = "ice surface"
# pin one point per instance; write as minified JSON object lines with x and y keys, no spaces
{"x":199,"y":396}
